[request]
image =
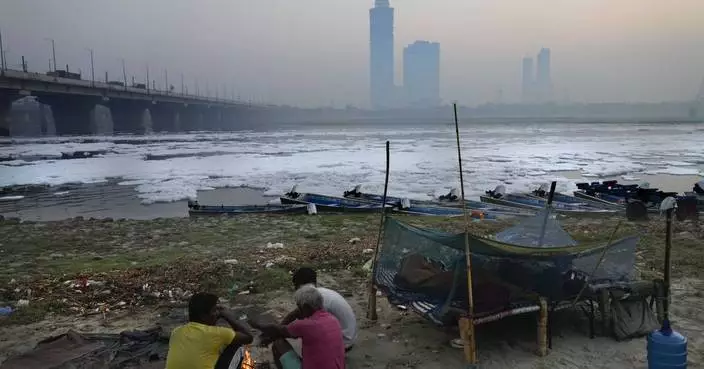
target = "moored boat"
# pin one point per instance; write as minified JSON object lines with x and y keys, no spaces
{"x":448,"y":212}
{"x":526,"y":202}
{"x":442,"y":206}
{"x":324,"y":203}
{"x":195,"y":209}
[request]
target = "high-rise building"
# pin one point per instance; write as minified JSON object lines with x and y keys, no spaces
{"x":381,"y":56}
{"x":543,"y":81}
{"x":527,"y":82}
{"x":421,"y":73}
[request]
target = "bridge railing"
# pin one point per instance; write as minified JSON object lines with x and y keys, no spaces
{"x":34,"y":76}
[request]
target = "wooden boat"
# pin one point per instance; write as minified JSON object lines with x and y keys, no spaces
{"x":440,"y":207}
{"x":448,"y":212}
{"x":602,"y":198}
{"x":324,"y":203}
{"x":194,"y":209}
{"x":574,"y":200}
{"x":525,"y":202}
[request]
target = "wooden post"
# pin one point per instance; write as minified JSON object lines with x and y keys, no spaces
{"x":547,"y":212}
{"x":605,"y":311}
{"x":543,"y":328}
{"x":467,"y":323}
{"x":668,"y":264}
{"x":371,"y":305}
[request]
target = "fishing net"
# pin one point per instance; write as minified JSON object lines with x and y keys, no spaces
{"x":541,"y":230}
{"x":418,"y":264}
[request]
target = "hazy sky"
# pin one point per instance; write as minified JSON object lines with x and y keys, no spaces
{"x":314,"y":52}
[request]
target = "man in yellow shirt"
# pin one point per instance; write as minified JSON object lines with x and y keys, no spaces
{"x":201,"y":344}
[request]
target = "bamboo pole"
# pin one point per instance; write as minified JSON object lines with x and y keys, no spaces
{"x":371,"y":304}
{"x":543,"y":328}
{"x":668,"y":265}
{"x":466,"y":323}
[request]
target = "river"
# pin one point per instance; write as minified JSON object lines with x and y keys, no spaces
{"x":152,"y":176}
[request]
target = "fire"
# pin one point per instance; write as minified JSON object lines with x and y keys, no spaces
{"x":247,"y":361}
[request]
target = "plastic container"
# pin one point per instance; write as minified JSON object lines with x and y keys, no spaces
{"x":667,"y":349}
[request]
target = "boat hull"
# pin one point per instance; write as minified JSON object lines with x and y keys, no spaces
{"x":212,"y":210}
{"x":536,"y":204}
{"x":331,"y":204}
{"x":441,"y":207}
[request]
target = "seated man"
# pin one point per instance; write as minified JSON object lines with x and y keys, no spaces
{"x":200,"y":344}
{"x":333,"y":303}
{"x":319,"y":330}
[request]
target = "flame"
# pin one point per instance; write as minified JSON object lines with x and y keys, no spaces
{"x":247,"y":361}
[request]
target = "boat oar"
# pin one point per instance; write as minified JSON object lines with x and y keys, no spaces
{"x":371,"y":305}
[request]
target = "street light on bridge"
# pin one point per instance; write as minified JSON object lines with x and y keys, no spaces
{"x":124,"y":73}
{"x":2,"y":56}
{"x":92,"y":67}
{"x":53,"y":51}
{"x":147,"y":81}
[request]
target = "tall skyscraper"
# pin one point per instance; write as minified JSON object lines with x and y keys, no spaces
{"x":381,"y":56}
{"x":421,"y":73}
{"x":543,"y":80}
{"x":527,"y":82}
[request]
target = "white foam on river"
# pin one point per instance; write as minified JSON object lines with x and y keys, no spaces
{"x":167,"y":168}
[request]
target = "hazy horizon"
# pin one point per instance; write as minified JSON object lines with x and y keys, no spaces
{"x":316,"y":52}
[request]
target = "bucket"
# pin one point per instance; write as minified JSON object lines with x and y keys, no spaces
{"x":667,"y":349}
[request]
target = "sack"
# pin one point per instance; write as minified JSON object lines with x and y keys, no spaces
{"x":632,"y":318}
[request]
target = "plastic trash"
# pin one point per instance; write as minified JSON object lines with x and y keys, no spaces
{"x":6,"y":310}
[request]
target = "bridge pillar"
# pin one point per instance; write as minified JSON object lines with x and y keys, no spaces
{"x":73,"y":115}
{"x":213,"y":120}
{"x":129,"y":116}
{"x":245,"y":117}
{"x":166,"y":117}
{"x":192,"y":118}
{"x":5,"y":117}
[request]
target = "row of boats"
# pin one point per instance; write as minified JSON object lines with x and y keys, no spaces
{"x":591,"y":199}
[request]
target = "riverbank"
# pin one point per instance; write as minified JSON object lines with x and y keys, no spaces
{"x":103,"y":275}
{"x":109,"y":199}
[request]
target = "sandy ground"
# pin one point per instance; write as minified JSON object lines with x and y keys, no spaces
{"x":171,"y":252}
{"x":400,"y":339}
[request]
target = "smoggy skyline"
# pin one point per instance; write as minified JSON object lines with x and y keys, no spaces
{"x":316,"y":52}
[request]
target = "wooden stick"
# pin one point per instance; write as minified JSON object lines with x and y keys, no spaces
{"x":467,"y":324}
{"x":543,"y":328}
{"x":371,"y":306}
{"x":598,"y":263}
{"x":547,"y":212}
{"x":668,"y":264}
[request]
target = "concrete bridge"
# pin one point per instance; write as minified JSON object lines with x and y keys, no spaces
{"x":72,"y":102}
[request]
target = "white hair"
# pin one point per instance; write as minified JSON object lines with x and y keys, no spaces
{"x":308,"y":296}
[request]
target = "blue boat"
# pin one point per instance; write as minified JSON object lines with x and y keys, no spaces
{"x":526,"y":202}
{"x":331,"y":204}
{"x":443,"y":211}
{"x":439,"y":207}
{"x":195,"y":209}
{"x":574,"y":200}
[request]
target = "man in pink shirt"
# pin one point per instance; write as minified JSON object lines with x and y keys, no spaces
{"x":319,"y":331}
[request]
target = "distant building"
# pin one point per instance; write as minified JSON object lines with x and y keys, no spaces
{"x":543,"y":81}
{"x":381,"y":56}
{"x":528,"y":82}
{"x":421,"y":73}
